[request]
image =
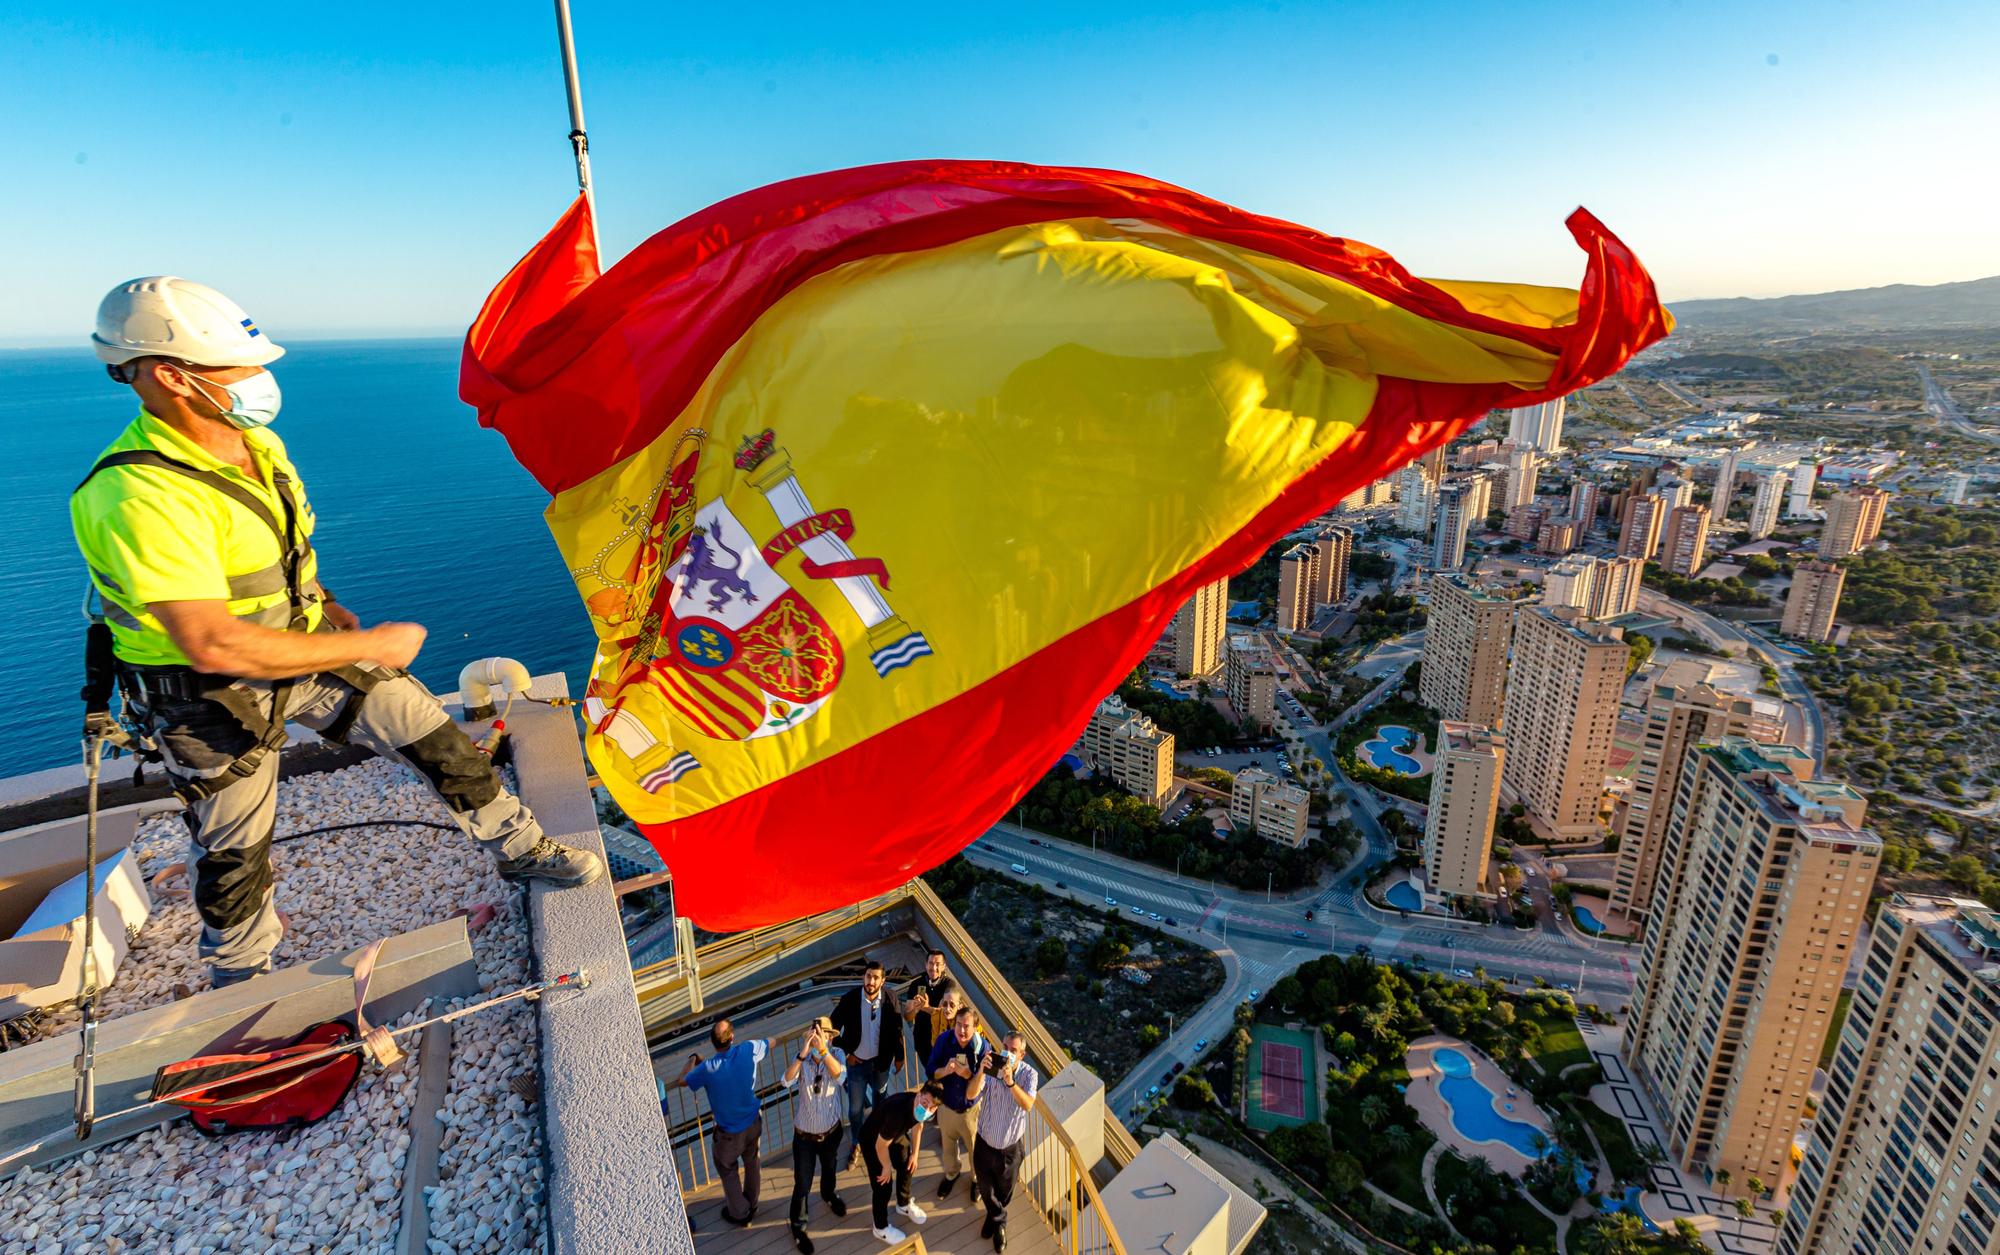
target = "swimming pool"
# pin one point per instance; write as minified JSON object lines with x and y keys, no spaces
{"x":1404,"y":895}
{"x":1169,"y":690}
{"x":1630,"y":1203}
{"x":1385,"y":749}
{"x":1587,"y":921}
{"x":1473,"y":1112}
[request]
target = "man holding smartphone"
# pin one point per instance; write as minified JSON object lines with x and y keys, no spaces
{"x":814,"y":1076}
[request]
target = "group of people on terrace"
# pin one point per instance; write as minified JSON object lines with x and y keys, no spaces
{"x":890,"y":1064}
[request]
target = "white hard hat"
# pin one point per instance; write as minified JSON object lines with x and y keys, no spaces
{"x":166,"y":316}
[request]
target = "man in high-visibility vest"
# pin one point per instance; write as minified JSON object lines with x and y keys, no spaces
{"x":198,"y":536}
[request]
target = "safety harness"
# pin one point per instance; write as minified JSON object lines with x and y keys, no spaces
{"x":149,"y":684}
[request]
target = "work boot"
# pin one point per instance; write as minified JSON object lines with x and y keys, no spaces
{"x":836,"y":1206}
{"x":799,"y":1239}
{"x":1000,"y":1238}
{"x":554,"y":863}
{"x":944,"y":1187}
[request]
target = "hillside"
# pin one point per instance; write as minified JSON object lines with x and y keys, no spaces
{"x":1900,"y":306}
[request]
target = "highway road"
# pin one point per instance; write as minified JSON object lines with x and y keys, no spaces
{"x":1261,"y":939}
{"x":1945,"y":410}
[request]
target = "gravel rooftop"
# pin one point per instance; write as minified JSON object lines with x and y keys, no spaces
{"x":336,"y":1187}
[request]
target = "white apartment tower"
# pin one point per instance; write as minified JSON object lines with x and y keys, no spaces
{"x":1804,"y":476}
{"x":1453,"y":521}
{"x":1537,"y":427}
{"x":1764,"y":510}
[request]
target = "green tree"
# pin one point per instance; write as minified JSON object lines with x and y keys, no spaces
{"x":1149,"y":1035}
{"x":1051,"y":958}
{"x":1617,"y":1233}
{"x":1373,"y":1110}
{"x":1343,"y":1174}
{"x":1193,"y":1092}
{"x":1398,"y":1138}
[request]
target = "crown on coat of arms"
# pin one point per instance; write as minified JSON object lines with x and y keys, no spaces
{"x":754,"y":449}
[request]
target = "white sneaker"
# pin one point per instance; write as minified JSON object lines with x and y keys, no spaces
{"x":913,"y":1213}
{"x":891,"y":1235}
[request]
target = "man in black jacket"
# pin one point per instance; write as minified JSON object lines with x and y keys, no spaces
{"x":870,"y":1023}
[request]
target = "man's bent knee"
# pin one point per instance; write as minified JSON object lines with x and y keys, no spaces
{"x":230,"y":885}
{"x":455,"y":768}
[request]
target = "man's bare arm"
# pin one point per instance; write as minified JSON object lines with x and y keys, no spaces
{"x":219,"y":643}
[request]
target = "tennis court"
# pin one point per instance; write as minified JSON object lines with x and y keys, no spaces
{"x":1279,"y":1091}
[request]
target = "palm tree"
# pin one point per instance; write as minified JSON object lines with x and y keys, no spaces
{"x":1373,"y":1110}
{"x":1722,"y":1179}
{"x":1756,"y":1187}
{"x":1397,"y":1138}
{"x":1744,"y":1210}
{"x":1616,"y":1233}
{"x":1540,"y":1142}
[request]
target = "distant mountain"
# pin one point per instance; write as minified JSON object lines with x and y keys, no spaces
{"x":1973,"y":303}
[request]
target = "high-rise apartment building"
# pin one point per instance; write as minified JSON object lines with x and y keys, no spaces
{"x":1675,"y":491}
{"x":1464,"y":671}
{"x":1725,"y":484}
{"x":1537,"y":427}
{"x":1639,"y":529}
{"x":1683,"y":710}
{"x":1905,"y":1151}
{"x":1253,"y":681}
{"x":1311,"y":574}
{"x":1603,"y":588}
{"x":1813,"y":601}
{"x":1557,"y":537}
{"x":1277,"y":809}
{"x":1298,"y":577}
{"x":1519,"y":489}
{"x":1585,"y":500}
{"x":1373,"y":493}
{"x":1524,"y":522}
{"x":1955,"y":486}
{"x":1684,"y":546}
{"x":1761,"y":888}
{"x":1453,"y":521}
{"x":1804,"y":476}
{"x":1615,"y":590}
{"x":1764,"y":510}
{"x":1336,"y":555}
{"x":1478,"y":498}
{"x":1569,"y":581}
{"x":1416,"y":498}
{"x":1465,"y":795}
{"x":1199,"y":630}
{"x":1562,"y":711}
{"x":1128,"y":747}
{"x":1853,"y":521}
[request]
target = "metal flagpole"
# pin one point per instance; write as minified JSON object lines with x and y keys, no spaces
{"x":579,"y":140}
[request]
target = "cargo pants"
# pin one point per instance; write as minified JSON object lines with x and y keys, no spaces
{"x":229,"y":856}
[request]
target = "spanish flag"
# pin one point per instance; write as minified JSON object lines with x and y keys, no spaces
{"x":874,"y":482}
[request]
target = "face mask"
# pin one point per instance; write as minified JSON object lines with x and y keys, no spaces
{"x":923,"y":1113}
{"x":253,"y":402}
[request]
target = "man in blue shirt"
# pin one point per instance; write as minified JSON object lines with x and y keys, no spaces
{"x":729,"y":1077}
{"x":955,"y":1059}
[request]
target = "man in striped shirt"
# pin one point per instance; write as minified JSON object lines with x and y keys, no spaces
{"x":814,"y":1076}
{"x":1003,"y":1130}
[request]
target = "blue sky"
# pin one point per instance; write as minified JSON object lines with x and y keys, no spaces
{"x":366,"y":168}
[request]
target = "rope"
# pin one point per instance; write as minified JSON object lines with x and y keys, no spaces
{"x":88,"y":988}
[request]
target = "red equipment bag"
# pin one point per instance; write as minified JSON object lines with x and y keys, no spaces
{"x":277,"y":1093}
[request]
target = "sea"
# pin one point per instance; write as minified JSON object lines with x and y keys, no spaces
{"x":424,"y":516}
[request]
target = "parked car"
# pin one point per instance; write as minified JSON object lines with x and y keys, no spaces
{"x":1019,"y":869}
{"x":1178,"y":1066}
{"x":1254,"y":995}
{"x":1138,"y":910}
{"x":1152,"y":915}
{"x":1152,"y":1091}
{"x":1034,"y":841}
{"x":1172,"y":921}
{"x":1463,"y":973}
{"x":1109,"y":900}
{"x":1201,"y":1044}
{"x":1061,"y":885}
{"x":1167,"y":1077}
